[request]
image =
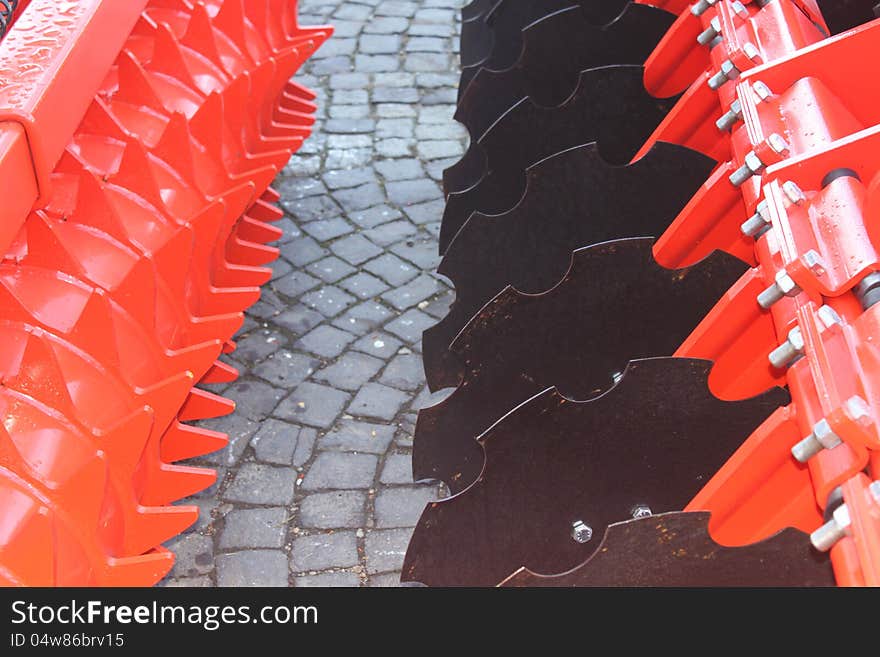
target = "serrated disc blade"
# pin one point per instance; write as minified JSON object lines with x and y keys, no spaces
{"x":555,"y":51}
{"x":842,"y":15}
{"x":573,"y":199}
{"x":675,"y":549}
{"x":610,"y":107}
{"x":615,"y":304}
{"x":653,"y":439}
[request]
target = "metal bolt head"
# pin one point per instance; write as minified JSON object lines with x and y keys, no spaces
{"x":793,"y":193}
{"x":751,"y":51}
{"x":581,"y":532}
{"x":814,"y":262}
{"x":778,"y":144}
{"x":786,"y":283}
{"x":641,"y":511}
{"x":874,"y":489}
{"x":729,"y":69}
{"x":740,"y":10}
{"x":796,"y":338}
{"x":857,"y":410}
{"x":762,"y":91}
{"x":825,"y":434}
{"x":701,"y":6}
{"x":828,"y":316}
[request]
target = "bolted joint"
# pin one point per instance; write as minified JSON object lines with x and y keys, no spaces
{"x":778,"y":145}
{"x":758,"y":223}
{"x":789,"y":351}
{"x":641,"y":511}
{"x":784,"y":286}
{"x":793,"y":193}
{"x":827,"y":536}
{"x":874,"y":489}
{"x":762,"y":91}
{"x":828,"y":316}
{"x":739,"y":10}
{"x":751,"y":165}
{"x":581,"y":532}
{"x":731,"y":117}
{"x":728,"y":71}
{"x":822,"y":437}
{"x":814,"y":262}
{"x":702,"y":6}
{"x":750,"y":50}
{"x":711,"y":33}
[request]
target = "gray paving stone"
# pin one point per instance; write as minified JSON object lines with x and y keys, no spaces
{"x":423,"y":213}
{"x":239,"y":427}
{"x":329,"y":300}
{"x":405,"y":372}
{"x":391,"y":268}
{"x":351,"y":371}
{"x":331,"y":270}
{"x":363,"y":318}
{"x":355,"y":249}
{"x":385,"y":580}
{"x":381,"y":345}
{"x":377,"y":63}
{"x":323,"y":231}
{"x":356,"y":436}
{"x":386,"y":25}
{"x":255,"y":346}
{"x":379,"y":44}
{"x":286,"y":369}
{"x":347,"y":178}
{"x":322,"y":551}
{"x":402,"y":169}
{"x":341,"y":509}
{"x":397,"y":470}
{"x":341,"y":470}
{"x":402,"y":507}
{"x":349,"y":126}
{"x":252,"y":568}
{"x":420,"y":252}
{"x":188,"y":582}
{"x":395,"y":147}
{"x":254,"y":528}
{"x":395,"y":95}
{"x":375,"y":216}
{"x":385,"y":549}
{"x":360,"y":198}
{"x":280,"y":443}
{"x":389,"y":233}
{"x":255,"y":483}
{"x":328,"y":580}
{"x":410,"y":325}
{"x":299,"y":319}
{"x":311,"y":208}
{"x":364,"y":286}
{"x":439,"y":148}
{"x":412,"y":293}
{"x":302,"y":251}
{"x":195,"y":555}
{"x":325,"y":341}
{"x":254,"y":400}
{"x":313,"y":405}
{"x":374,"y":400}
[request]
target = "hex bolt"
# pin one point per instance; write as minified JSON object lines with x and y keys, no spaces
{"x":708,"y":35}
{"x":822,"y":437}
{"x":740,"y":10}
{"x":758,"y":223}
{"x":751,"y":165}
{"x":751,"y":51}
{"x":778,"y":144}
{"x":783,"y":287}
{"x":641,"y":511}
{"x":762,"y":91}
{"x":874,"y":489}
{"x":581,"y":532}
{"x":828,"y":316}
{"x":702,"y":6}
{"x":786,"y":353}
{"x":730,"y":117}
{"x":827,"y":536}
{"x":793,"y":193}
{"x":728,"y":71}
{"x":814,"y":262}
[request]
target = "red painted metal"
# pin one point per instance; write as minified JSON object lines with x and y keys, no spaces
{"x":128,"y":272}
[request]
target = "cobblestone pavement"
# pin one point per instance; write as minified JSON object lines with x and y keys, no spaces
{"x":315,"y":488}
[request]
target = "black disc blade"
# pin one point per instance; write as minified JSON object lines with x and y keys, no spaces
{"x":573,"y":199}
{"x":842,"y":15}
{"x":615,"y":304}
{"x":655,"y":439}
{"x":475,"y":9}
{"x":675,"y":549}
{"x":610,"y":107}
{"x":555,"y":51}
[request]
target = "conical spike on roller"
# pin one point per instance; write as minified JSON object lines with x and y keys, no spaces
{"x":40,"y":375}
{"x":252,"y":230}
{"x":94,"y":333}
{"x":554,"y":461}
{"x":676,"y":549}
{"x":124,"y":443}
{"x":26,"y":540}
{"x":164,"y":399}
{"x":207,"y":125}
{"x":168,"y":57}
{"x":83,"y":493}
{"x":182,"y":442}
{"x":271,"y":195}
{"x":100,"y":120}
{"x":229,"y":347}
{"x":93,"y":206}
{"x":556,"y":49}
{"x":200,"y":36}
{"x":175,"y":145}
{"x":610,"y":107}
{"x":530,"y":246}
{"x":137,"y":293}
{"x":171,"y":483}
{"x":264,"y":211}
{"x":156,"y":524}
{"x":242,"y":252}
{"x":227,"y":275}
{"x":203,"y":405}
{"x":615,"y":304}
{"x":47,"y":250}
{"x":230,"y":19}
{"x":135,"y":86}
{"x":138,"y":571}
{"x":135,"y":174}
{"x":220,"y":372}
{"x":196,"y":358}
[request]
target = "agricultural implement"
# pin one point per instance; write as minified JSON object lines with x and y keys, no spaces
{"x":137,"y":145}
{"x":664,"y":344}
